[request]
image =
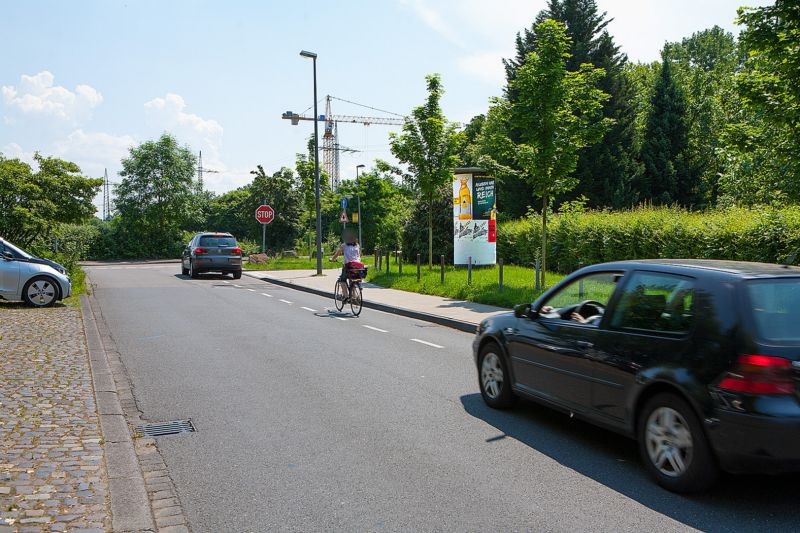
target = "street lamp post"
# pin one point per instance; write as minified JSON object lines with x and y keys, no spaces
{"x":360,"y":242}
{"x":313,"y":56}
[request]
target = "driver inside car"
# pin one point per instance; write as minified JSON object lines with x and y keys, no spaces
{"x":592,"y":320}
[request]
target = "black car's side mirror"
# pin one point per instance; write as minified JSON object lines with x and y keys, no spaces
{"x":524,"y":311}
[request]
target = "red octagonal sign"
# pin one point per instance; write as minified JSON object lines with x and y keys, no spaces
{"x":265,"y":214}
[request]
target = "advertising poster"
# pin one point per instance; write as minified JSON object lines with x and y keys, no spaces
{"x":474,"y":218}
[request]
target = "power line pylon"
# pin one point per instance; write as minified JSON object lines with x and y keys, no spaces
{"x":106,"y":197}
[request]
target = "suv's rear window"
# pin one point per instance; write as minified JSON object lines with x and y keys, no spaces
{"x":211,"y":240}
{"x":776,"y":308}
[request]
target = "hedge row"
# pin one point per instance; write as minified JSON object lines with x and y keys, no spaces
{"x":574,"y":239}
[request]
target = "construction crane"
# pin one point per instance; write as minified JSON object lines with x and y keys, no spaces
{"x":201,"y":170}
{"x":330,"y":139}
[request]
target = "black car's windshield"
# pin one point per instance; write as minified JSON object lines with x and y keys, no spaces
{"x":217,"y":240}
{"x":17,"y":252}
{"x":775,"y":305}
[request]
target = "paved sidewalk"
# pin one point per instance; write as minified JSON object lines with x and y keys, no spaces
{"x":52,"y":464}
{"x":448,"y":311}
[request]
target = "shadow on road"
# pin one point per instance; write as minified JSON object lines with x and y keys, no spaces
{"x":204,"y":276}
{"x":740,"y":503}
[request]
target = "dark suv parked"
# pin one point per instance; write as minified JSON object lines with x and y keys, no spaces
{"x":212,"y":252}
{"x":699,"y":361}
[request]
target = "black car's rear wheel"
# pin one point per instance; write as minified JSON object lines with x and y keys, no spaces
{"x":184,"y":270}
{"x":493,"y":378}
{"x":237,"y":274}
{"x":673,"y":445}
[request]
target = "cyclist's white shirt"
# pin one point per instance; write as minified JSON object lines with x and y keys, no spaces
{"x":351,"y":252}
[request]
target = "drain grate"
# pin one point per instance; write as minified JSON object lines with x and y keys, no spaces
{"x":165,"y":428}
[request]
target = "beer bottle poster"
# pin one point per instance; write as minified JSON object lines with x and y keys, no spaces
{"x":474,"y":218}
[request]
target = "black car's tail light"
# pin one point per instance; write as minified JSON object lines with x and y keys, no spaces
{"x":759,"y":374}
{"x":200,"y":251}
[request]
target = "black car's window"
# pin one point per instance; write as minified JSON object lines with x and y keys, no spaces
{"x":213,"y":240}
{"x":776,"y":308}
{"x":655,"y":302}
{"x":596,"y":287}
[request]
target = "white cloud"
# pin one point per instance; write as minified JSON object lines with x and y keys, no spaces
{"x":486,"y":66}
{"x":434,"y":19}
{"x":36,"y":95}
{"x":15,"y":151}
{"x":170,"y":110}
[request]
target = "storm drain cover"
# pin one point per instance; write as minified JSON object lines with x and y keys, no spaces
{"x":164,"y":428}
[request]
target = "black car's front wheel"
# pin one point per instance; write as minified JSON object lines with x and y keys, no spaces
{"x":493,"y":378}
{"x":673,"y":445}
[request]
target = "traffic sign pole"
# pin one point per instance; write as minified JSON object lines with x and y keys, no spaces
{"x":264,"y":214}
{"x":264,"y":234}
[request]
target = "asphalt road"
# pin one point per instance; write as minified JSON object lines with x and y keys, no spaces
{"x":310,"y":420}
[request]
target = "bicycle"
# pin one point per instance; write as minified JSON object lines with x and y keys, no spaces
{"x":354,"y":294}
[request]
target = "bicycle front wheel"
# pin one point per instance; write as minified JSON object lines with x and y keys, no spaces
{"x":355,"y":299}
{"x":338,"y":297}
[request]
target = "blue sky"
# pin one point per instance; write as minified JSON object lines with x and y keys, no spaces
{"x":85,"y":80}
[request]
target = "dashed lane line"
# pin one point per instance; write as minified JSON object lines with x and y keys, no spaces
{"x":251,"y":290}
{"x":237,"y":286}
{"x":286,"y":301}
{"x":267,"y":295}
{"x":340,"y":318}
{"x":427,"y":343}
{"x":309,"y":309}
{"x":373,"y":328}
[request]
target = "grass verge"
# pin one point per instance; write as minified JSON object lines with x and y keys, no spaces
{"x":518,"y":283}
{"x":78,"y":278}
{"x":292,"y":263}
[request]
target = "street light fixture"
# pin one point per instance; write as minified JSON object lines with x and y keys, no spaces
{"x":360,"y":242}
{"x":313,"y":57}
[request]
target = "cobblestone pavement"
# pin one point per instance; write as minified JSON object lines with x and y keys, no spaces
{"x":52,"y":473}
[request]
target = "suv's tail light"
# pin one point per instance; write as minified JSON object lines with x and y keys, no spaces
{"x":759,"y":374}
{"x":200,"y":251}
{"x":236,"y":250}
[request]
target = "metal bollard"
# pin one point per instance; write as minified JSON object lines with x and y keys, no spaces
{"x":418,"y":263}
{"x":469,"y":270}
{"x":500,"y":284}
{"x":536,"y":267}
{"x":388,"y":260}
{"x":400,"y":262}
{"x":442,"y":268}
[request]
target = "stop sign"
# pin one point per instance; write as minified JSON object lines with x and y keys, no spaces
{"x":265,"y":214}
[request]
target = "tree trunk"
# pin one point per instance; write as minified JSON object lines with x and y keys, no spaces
{"x":544,"y":238}
{"x":430,"y":231}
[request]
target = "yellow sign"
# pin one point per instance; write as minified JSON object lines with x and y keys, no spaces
{"x":354,"y":218}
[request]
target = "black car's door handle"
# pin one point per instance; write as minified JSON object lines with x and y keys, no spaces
{"x":585,"y":344}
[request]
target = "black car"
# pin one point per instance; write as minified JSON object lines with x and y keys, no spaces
{"x":698,"y":360}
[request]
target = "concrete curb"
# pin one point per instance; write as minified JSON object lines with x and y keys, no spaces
{"x":460,"y":325}
{"x":130,"y":506}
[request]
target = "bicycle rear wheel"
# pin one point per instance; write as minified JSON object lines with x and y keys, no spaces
{"x":338,"y":297}
{"x":355,"y":298}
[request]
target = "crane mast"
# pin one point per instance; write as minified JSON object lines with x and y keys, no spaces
{"x":330,"y":138}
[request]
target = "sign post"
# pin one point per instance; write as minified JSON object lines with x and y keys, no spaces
{"x":264,"y":214}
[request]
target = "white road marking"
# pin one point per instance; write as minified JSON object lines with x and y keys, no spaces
{"x":340,"y":318}
{"x":251,"y":290}
{"x":267,"y":295}
{"x":237,"y":286}
{"x":427,"y":343}
{"x":309,"y":309}
{"x":374,"y":328}
{"x":225,"y":281}
{"x":286,"y":301}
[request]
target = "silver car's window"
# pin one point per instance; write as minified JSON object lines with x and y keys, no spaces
{"x":16,"y":252}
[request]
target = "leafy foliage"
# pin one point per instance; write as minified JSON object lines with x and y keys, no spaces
{"x":428,"y":144}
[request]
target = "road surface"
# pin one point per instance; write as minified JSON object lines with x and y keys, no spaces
{"x":311,"y":420}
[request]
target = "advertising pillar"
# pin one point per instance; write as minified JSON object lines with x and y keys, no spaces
{"x":474,"y":217}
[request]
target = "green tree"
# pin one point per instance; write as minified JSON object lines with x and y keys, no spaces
{"x":282,"y":193}
{"x":33,"y":204}
{"x":604,"y":169}
{"x":667,"y":176}
{"x":428,"y":145}
{"x":557,"y":113}
{"x":763,"y":142}
{"x":154,"y":197}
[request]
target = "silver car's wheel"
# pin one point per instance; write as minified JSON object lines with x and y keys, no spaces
{"x":669,"y":442}
{"x":492,"y":375}
{"x":40,"y":292}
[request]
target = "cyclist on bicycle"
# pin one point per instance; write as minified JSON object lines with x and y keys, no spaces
{"x":351,"y":250}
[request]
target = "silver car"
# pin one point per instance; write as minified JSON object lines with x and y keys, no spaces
{"x":37,"y":282}
{"x":212,"y":252}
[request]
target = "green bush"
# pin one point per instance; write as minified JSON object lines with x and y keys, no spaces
{"x":760,"y":234}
